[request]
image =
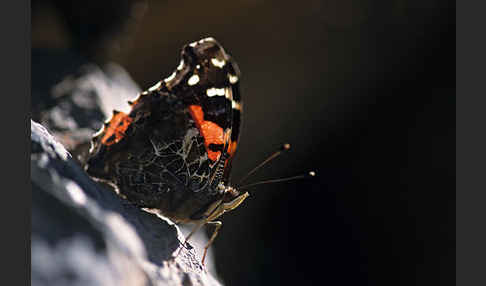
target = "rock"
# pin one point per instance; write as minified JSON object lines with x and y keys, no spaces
{"x":85,"y":234}
{"x":74,"y":108}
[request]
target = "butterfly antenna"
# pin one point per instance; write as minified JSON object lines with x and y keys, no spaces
{"x":284,"y":147}
{"x":304,"y":176}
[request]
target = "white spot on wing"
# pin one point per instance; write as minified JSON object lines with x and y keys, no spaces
{"x":215,"y":92}
{"x":156,"y":86}
{"x":194,"y":79}
{"x":228,"y":94}
{"x":232,"y":78}
{"x":171,"y":77}
{"x":208,"y":39}
{"x":218,"y":63}
{"x":235,"y":105}
{"x":181,"y":65}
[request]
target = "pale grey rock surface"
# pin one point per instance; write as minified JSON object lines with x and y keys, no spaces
{"x":84,"y":234}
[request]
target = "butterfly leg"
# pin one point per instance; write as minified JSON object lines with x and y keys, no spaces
{"x":193,"y":231}
{"x":217,"y":225}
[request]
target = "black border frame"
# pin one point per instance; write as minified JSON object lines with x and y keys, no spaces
{"x":16,"y":87}
{"x":470,"y":146}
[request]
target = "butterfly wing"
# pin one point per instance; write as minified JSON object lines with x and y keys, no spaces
{"x":176,"y":145}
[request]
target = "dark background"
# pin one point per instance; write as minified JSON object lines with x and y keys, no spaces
{"x":363,"y":90}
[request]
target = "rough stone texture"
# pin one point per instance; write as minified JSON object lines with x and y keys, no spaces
{"x":76,"y":106}
{"x":83,"y":234}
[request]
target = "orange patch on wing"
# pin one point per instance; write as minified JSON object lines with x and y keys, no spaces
{"x":232,"y":148}
{"x":231,"y":151}
{"x":115,"y":131}
{"x":210,"y":131}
